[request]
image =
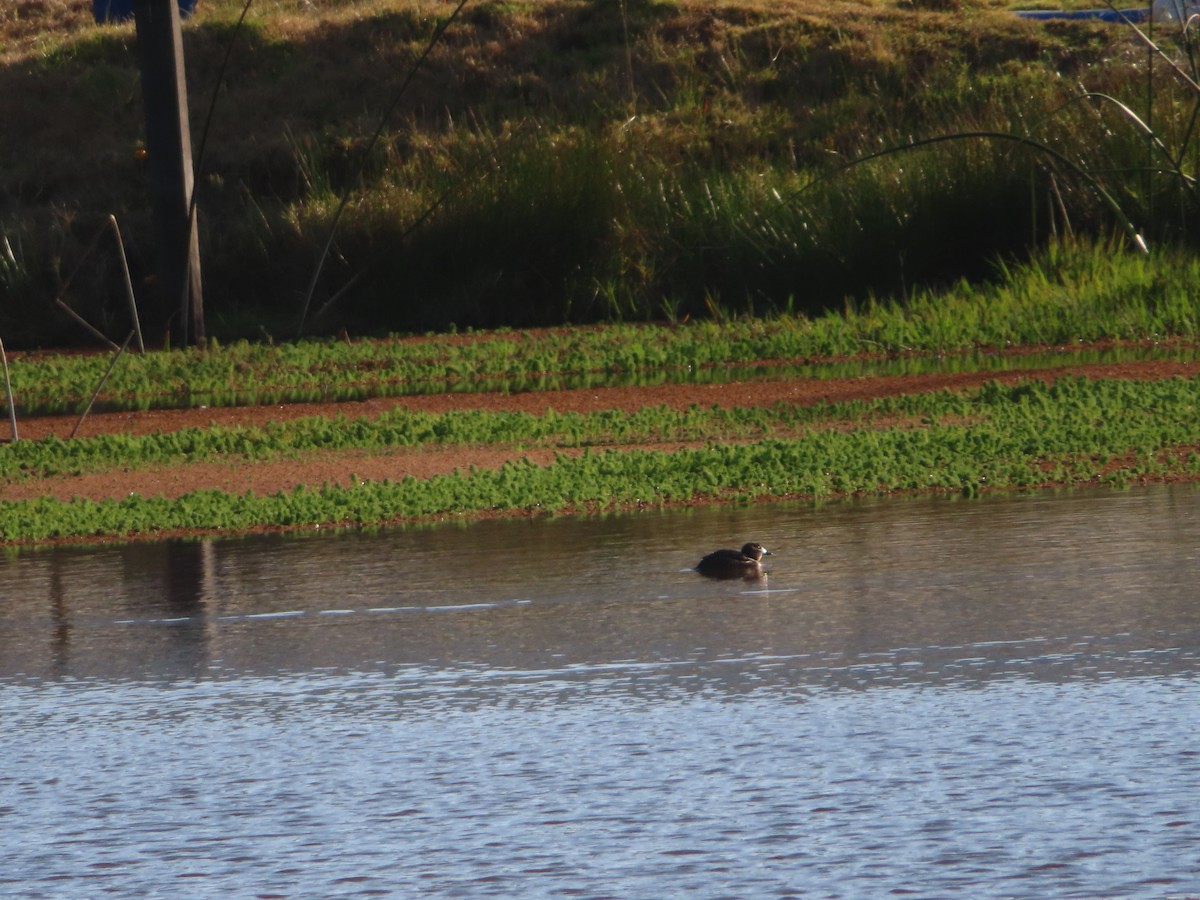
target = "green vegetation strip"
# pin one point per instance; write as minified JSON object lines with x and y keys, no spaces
{"x":1072,"y":432}
{"x":1065,"y":296}
{"x":401,"y":428}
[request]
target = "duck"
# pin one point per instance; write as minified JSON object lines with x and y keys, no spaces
{"x":744,"y":563}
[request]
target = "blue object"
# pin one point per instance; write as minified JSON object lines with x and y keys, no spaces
{"x":1102,"y":15}
{"x":122,"y":10}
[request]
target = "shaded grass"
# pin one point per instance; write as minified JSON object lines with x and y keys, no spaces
{"x":604,"y":160}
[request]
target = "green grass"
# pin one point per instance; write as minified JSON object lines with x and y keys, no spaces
{"x":406,"y":428}
{"x":1072,"y":432}
{"x":583,"y":160}
{"x":40,"y":459}
{"x":1066,"y":295}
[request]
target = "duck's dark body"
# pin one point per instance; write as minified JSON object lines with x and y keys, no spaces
{"x":744,"y":563}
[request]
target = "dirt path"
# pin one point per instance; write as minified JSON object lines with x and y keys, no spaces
{"x":338,"y":467}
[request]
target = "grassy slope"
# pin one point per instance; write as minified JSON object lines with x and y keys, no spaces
{"x":583,"y":141}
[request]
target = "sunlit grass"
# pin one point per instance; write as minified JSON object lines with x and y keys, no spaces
{"x":1066,"y":295}
{"x":1074,"y":431}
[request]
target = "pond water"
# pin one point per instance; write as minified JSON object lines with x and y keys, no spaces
{"x":927,"y":697}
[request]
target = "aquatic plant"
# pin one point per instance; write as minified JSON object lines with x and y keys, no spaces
{"x":1073,"y":431}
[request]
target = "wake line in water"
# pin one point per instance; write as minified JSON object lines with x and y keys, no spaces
{"x":301,"y":613}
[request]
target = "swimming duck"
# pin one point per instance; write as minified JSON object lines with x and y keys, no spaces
{"x":742,"y":563}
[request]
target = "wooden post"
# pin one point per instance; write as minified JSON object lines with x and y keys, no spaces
{"x":12,"y":407}
{"x":169,"y":144}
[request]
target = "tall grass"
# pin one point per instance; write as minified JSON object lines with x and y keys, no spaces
{"x":586,"y":226}
{"x":525,"y":183}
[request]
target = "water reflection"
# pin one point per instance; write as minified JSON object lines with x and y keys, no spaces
{"x":860,"y":593}
{"x":933,"y":698}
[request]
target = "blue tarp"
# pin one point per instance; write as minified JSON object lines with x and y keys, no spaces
{"x":1103,"y":15}
{"x":122,"y":10}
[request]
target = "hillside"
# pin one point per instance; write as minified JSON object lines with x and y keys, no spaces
{"x":562,"y":160}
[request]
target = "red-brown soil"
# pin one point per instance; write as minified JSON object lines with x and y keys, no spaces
{"x":318,"y":468}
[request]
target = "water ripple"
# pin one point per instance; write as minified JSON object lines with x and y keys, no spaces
{"x":991,"y":699}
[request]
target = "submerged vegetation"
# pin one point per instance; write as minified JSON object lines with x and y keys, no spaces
{"x":590,"y":160}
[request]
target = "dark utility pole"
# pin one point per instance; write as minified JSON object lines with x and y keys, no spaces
{"x":169,"y":144}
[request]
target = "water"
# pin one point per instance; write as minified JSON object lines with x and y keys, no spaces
{"x":928,"y":698}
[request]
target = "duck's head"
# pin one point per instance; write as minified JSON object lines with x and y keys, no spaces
{"x":755,"y":550}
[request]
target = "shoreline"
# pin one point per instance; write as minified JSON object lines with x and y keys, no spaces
{"x":342,"y":470}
